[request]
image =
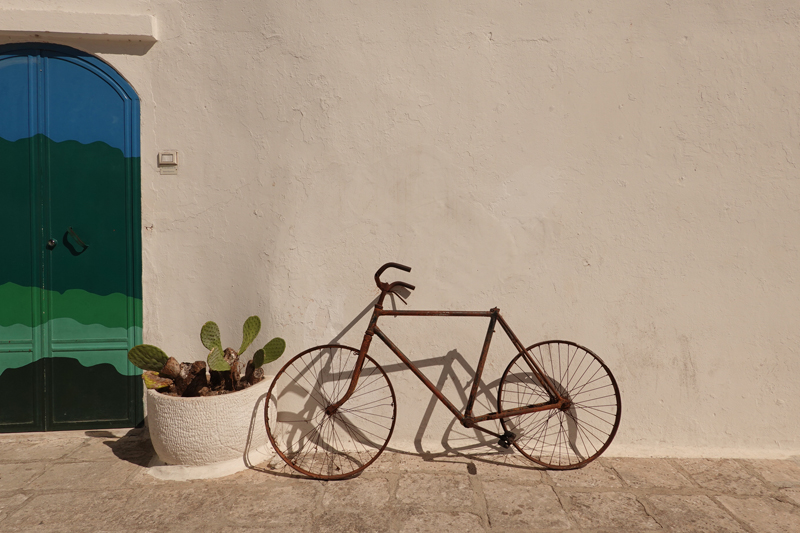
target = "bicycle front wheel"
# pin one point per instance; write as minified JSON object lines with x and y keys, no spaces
{"x":322,"y":445}
{"x":566,"y":438}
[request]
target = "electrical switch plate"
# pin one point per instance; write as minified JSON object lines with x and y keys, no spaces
{"x":168,"y":162}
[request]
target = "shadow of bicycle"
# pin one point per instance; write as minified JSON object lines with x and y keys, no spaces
{"x":457,"y":443}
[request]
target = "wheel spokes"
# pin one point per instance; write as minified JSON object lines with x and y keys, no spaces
{"x":580,"y":431}
{"x":337,"y":445}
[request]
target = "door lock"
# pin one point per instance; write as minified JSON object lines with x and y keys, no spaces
{"x":51,"y":244}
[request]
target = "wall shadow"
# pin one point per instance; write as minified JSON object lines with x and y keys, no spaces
{"x":329,"y":371}
{"x":96,"y":45}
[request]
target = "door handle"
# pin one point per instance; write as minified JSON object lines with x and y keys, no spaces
{"x":78,"y":239}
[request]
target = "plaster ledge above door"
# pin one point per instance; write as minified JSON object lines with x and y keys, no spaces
{"x":40,"y":24}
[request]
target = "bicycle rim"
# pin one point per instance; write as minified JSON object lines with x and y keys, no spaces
{"x":326,"y":446}
{"x":566,"y":438}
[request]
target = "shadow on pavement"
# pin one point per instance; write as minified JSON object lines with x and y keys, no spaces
{"x":133,"y":447}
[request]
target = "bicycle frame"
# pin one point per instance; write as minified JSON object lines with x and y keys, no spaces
{"x":467,"y":419}
{"x":573,"y":391}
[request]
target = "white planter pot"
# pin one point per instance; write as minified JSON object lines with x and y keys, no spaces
{"x":224,"y":433}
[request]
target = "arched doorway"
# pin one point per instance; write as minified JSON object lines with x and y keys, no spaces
{"x":70,"y":271}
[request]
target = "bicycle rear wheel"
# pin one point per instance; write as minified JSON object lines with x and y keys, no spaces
{"x":326,"y":446}
{"x":568,"y":438}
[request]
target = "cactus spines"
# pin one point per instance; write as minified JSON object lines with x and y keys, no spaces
{"x":153,"y":381}
{"x":209,"y":335}
{"x":147,"y":357}
{"x":250,"y":331}
{"x":216,"y":360}
{"x":271,"y":351}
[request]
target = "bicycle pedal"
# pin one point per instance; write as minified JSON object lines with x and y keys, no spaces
{"x":504,"y":443}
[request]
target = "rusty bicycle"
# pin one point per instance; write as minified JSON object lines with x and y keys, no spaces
{"x":330,"y":411}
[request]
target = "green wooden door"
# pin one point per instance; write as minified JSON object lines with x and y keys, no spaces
{"x":70,"y":274}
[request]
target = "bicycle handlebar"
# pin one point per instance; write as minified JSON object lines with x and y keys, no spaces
{"x":401,"y":284}
{"x":387,"y":287}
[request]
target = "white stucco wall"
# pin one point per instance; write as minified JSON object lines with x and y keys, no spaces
{"x":623,"y":176}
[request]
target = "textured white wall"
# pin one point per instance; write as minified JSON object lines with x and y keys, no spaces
{"x":622,"y":176}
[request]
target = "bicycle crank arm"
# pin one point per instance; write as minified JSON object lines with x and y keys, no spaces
{"x":505,"y":439}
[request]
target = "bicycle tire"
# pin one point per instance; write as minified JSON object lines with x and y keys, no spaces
{"x":325,"y":446}
{"x":561,"y":439}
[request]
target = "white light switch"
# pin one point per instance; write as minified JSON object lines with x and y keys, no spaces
{"x":168,"y":162}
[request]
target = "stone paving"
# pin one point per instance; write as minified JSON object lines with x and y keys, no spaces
{"x":98,"y":481}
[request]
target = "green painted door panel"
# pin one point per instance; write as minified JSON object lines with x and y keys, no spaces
{"x":89,"y":325}
{"x":20,"y":292}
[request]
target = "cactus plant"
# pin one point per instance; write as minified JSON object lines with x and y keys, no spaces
{"x":217,"y":362}
{"x":249,"y":332}
{"x":147,"y":357}
{"x":153,"y":381}
{"x":209,"y":336}
{"x":165,"y":374}
{"x":270,"y":352}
